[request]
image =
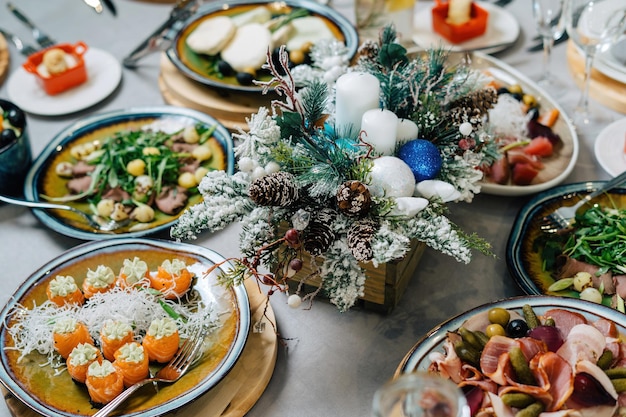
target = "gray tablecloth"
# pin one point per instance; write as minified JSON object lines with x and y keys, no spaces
{"x":330,"y":363}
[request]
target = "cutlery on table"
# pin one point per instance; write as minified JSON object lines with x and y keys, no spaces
{"x":97,"y":6}
{"x":562,"y":217}
{"x":158,"y":40}
{"x":24,"y":48}
{"x":111,"y":6}
{"x":99,"y":224}
{"x":539,"y":46}
{"x":40,"y":37}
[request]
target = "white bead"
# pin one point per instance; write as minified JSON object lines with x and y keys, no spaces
{"x":294,"y":301}
{"x":466,"y":128}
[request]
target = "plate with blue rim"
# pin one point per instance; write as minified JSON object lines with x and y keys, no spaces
{"x":523,"y":257}
{"x":48,"y":392}
{"x":200,"y":67}
{"x":43,"y":182}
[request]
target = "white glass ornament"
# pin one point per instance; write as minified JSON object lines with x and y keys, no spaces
{"x":391,"y":177}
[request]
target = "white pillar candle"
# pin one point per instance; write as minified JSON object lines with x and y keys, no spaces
{"x":356,"y":92}
{"x":381,"y":127}
{"x":407,"y":130}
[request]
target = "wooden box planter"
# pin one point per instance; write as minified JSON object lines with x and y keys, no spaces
{"x":385,"y":284}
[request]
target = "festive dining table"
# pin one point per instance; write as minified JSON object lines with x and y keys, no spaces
{"x":329,"y":363}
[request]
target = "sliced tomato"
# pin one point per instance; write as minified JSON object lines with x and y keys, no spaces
{"x":524,"y":173}
{"x":539,"y":146}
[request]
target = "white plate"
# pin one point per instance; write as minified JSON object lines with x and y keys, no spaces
{"x":610,"y":66}
{"x":610,"y":148}
{"x":502,"y":31}
{"x":104,"y":73}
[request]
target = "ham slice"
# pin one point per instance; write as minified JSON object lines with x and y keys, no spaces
{"x":555,"y":375}
{"x":565,"y":319}
{"x":584,"y":342}
{"x":620,"y":285}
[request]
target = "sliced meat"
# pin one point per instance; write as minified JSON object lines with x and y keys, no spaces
{"x":565,"y":319}
{"x":82,"y":168}
{"x":584,"y":342}
{"x":79,"y":184}
{"x":171,"y":199}
{"x":620,"y":285}
{"x":116,"y":194}
{"x":568,"y":267}
{"x":554,"y":373}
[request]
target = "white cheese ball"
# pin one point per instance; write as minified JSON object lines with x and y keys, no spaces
{"x":248,"y":48}
{"x":210,"y":36}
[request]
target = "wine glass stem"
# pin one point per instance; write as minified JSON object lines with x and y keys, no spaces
{"x":548,"y":42}
{"x":583,"y":103}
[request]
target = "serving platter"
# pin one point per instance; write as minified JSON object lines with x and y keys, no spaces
{"x":523,"y":261}
{"x":51,"y":394}
{"x":557,"y":167}
{"x":195,"y":66}
{"x":43,"y":180}
{"x":610,"y":148}
{"x":417,"y":359}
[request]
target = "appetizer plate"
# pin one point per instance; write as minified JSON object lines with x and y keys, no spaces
{"x":104,"y":73}
{"x":43,"y":180}
{"x":502,"y":31}
{"x":417,"y":358}
{"x":523,"y":261}
{"x":57,"y":395}
{"x":557,"y":167}
{"x":195,"y":65}
{"x":610,"y":148}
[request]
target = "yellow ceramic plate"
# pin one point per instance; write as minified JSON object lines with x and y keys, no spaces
{"x":197,"y":66}
{"x":42,"y":179}
{"x":58,"y":395}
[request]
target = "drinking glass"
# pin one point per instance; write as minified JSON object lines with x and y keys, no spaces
{"x":593,"y":25}
{"x":420,"y":394}
{"x":550,"y":26}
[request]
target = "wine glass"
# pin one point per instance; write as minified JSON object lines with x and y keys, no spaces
{"x":550,"y":26}
{"x":593,"y":25}
{"x":420,"y":394}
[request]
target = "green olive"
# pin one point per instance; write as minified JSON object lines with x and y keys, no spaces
{"x":516,"y":88}
{"x":498,"y":315}
{"x":495,"y":330}
{"x":529,"y":100}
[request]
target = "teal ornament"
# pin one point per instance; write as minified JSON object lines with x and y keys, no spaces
{"x":422,"y":157}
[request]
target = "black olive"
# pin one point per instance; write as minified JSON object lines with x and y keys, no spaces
{"x":503,"y":90}
{"x":7,"y":136}
{"x":245,"y":78}
{"x":224,"y":68}
{"x":16,"y":118}
{"x":516,"y":328}
{"x":533,"y":112}
{"x":589,"y":392}
{"x":518,"y":96}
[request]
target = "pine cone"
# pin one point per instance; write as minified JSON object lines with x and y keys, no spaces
{"x":319,"y":235}
{"x":276,"y":189}
{"x":354,"y":198}
{"x":472,"y":107}
{"x":368,"y":51}
{"x":360,"y":236}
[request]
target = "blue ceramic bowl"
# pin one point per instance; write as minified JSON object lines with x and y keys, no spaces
{"x":15,"y":157}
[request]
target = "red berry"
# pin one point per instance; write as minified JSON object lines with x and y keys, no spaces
{"x":296,"y":264}
{"x":292,"y":237}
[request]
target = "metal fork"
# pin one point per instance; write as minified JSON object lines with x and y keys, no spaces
{"x":24,"y":48}
{"x":99,"y":224}
{"x":171,"y":372}
{"x":41,"y":38}
{"x":562,"y":217}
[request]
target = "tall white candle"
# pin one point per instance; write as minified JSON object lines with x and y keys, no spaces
{"x":381,"y":127}
{"x":356,"y":92}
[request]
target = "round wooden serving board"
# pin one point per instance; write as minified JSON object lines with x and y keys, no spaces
{"x":237,"y":393}
{"x":230,"y":108}
{"x":4,"y":58}
{"x":602,"y":88}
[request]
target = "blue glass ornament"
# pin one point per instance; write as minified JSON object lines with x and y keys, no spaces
{"x":422,"y":157}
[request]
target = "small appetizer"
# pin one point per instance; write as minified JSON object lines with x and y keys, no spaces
{"x":63,"y":290}
{"x":69,"y":333}
{"x":132,"y":272}
{"x":132,"y":361}
{"x":161,"y":340}
{"x":79,"y":360}
{"x":104,"y":382}
{"x":172,"y":278}
{"x":113,"y":335}
{"x":100,"y":280}
{"x":58,"y":68}
{"x":55,"y":61}
{"x":459,"y":20}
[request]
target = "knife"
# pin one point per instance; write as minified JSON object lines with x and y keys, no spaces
{"x":109,"y":5}
{"x":158,"y":39}
{"x":539,"y":46}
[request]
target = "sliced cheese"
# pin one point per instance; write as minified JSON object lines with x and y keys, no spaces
{"x":308,"y":29}
{"x":210,"y":36}
{"x":248,"y":48}
{"x":259,"y":14}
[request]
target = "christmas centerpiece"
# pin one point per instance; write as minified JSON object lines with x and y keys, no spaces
{"x":351,"y":166}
